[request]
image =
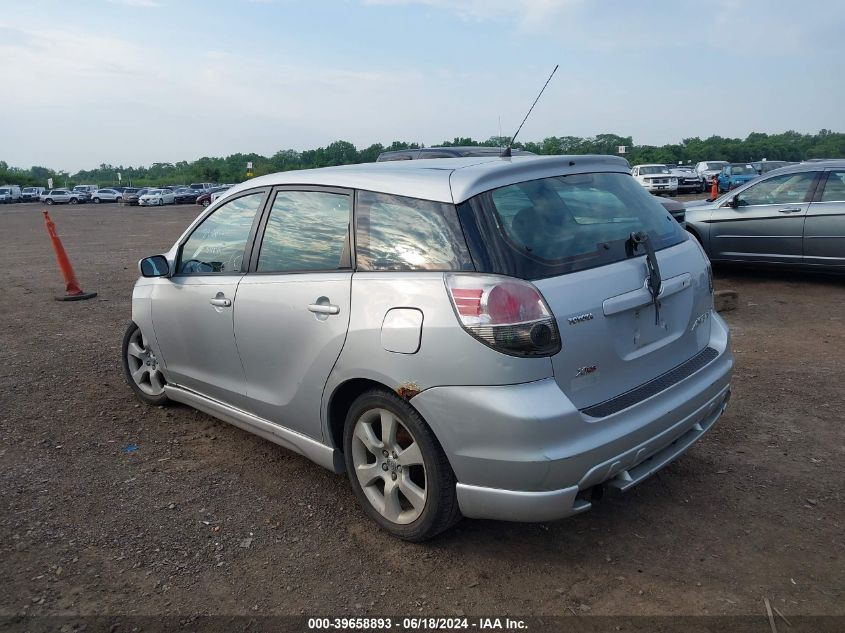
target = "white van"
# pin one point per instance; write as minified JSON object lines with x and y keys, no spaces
{"x":10,"y":193}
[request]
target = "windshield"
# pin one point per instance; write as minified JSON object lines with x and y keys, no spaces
{"x":742,"y":170}
{"x":3,"y":192}
{"x":715,"y":166}
{"x":153,"y":192}
{"x":653,"y":169}
{"x":563,"y":224}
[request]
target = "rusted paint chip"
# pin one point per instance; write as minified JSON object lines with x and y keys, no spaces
{"x":408,"y":390}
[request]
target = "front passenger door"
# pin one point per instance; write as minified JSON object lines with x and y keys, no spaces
{"x":192,"y":310}
{"x":767,"y":224}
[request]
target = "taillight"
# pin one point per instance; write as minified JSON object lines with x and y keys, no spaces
{"x":509,"y":315}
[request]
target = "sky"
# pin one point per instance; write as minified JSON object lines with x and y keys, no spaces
{"x":132,"y":82}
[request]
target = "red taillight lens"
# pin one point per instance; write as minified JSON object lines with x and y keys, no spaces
{"x":513,"y":303}
{"x":467,"y":301}
{"x":509,"y":315}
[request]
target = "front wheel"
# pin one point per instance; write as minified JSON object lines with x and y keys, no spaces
{"x":161,"y":202}
{"x":96,"y":201}
{"x":205,"y":203}
{"x":49,"y":201}
{"x":141,"y":368}
{"x":397,"y":468}
{"x":73,"y":201}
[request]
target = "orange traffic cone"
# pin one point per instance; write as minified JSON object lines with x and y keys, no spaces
{"x":714,"y":188}
{"x":72,"y":290}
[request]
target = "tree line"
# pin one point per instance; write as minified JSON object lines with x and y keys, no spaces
{"x":791,"y":146}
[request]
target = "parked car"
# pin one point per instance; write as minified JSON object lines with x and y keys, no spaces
{"x":202,"y":186}
{"x":765,"y":166}
{"x":688,"y":180}
{"x":709,"y":169}
{"x":655,"y":178}
{"x":107,"y":195}
{"x":219,"y":191}
{"x":10,"y":193}
{"x":204,"y":199}
{"x":446,"y":152}
{"x":498,"y":339}
{"x":735,"y":174}
{"x":63,"y":196}
{"x":31,"y":194}
{"x":185,"y":195}
{"x":793,"y":216}
{"x":156,"y":197}
{"x":132,"y":198}
{"x":87,"y":190}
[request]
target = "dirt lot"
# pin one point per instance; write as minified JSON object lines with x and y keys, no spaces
{"x":204,"y":518}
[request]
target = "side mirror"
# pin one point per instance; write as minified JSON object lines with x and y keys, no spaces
{"x":155,"y":266}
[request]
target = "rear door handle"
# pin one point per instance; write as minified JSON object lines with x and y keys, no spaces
{"x":790,"y":210}
{"x":221,"y":303}
{"x":323,"y":308}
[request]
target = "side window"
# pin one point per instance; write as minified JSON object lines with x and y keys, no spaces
{"x":217,"y":245}
{"x":834,"y":189}
{"x":399,"y":233}
{"x":306,"y":230}
{"x":784,"y":189}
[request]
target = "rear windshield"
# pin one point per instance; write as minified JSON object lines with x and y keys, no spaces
{"x":552,"y":226}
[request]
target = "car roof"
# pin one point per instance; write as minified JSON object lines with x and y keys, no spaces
{"x":440,"y":179}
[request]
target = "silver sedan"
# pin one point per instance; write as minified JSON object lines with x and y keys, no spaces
{"x":792,"y":216}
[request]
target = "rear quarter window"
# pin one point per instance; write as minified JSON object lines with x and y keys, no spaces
{"x":396,"y":233}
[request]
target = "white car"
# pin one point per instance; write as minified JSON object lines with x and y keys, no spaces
{"x":655,"y":178}
{"x":107,"y":195}
{"x":217,"y":194}
{"x":157,"y":197}
{"x":709,"y":169}
{"x":688,"y":180}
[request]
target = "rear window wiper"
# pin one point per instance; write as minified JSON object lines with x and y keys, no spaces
{"x":638,"y":241}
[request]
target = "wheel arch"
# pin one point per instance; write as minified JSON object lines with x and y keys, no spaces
{"x":339,"y":403}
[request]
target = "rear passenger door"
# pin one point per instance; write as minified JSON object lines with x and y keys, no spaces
{"x":293,"y":305}
{"x":824,"y":228}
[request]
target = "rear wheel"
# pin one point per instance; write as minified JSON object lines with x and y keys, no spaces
{"x":141,"y":367}
{"x":73,"y":201}
{"x":397,"y":469}
{"x":118,"y":199}
{"x":49,"y":201}
{"x":96,"y":201}
{"x":161,"y":202}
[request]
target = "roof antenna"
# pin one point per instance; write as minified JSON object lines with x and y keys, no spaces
{"x":506,"y":153}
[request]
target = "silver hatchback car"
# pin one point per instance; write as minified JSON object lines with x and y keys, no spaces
{"x":481,"y":337}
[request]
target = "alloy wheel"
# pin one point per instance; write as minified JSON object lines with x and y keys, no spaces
{"x":389,"y":466}
{"x":143,"y":365}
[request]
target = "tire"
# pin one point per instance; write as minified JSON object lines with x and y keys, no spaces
{"x":161,"y":202}
{"x":49,"y":201}
{"x":73,"y":201}
{"x":145,"y":389}
{"x":205,"y":203}
{"x":96,"y":201}
{"x":439,"y":503}
{"x":118,"y":200}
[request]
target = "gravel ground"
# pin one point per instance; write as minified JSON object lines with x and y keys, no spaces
{"x":206,"y":519}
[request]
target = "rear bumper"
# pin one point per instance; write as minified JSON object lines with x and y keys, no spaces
{"x":524,"y":452}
